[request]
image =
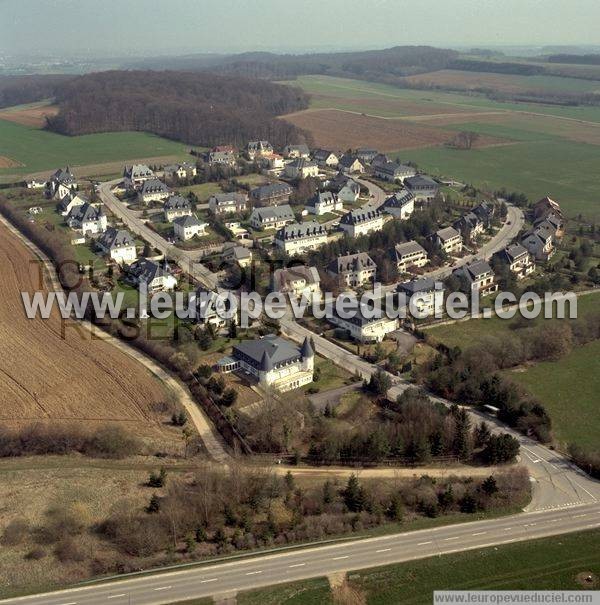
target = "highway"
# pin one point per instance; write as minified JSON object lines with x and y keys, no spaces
{"x":248,"y":573}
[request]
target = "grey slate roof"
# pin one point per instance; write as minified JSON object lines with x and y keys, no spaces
{"x":512,"y":252}
{"x":271,"y":190}
{"x":187,"y":221}
{"x":351,"y":262}
{"x":447,"y":233}
{"x":113,"y":238}
{"x":63,"y":176}
{"x":299,"y":230}
{"x":420,"y":181}
{"x":146,"y":270}
{"x":320,"y":155}
{"x":229,"y":198}
{"x":268,"y":352}
{"x":177,"y":202}
{"x":86,"y":212}
{"x":281,"y":277}
{"x":476,"y":269}
{"x":321,"y":197}
{"x":281,"y":213}
{"x":401,"y":250}
{"x":399,"y":199}
{"x":360,"y":215}
{"x":154,"y":186}
{"x":422,"y":284}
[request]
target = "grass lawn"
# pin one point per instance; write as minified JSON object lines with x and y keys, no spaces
{"x":545,"y":564}
{"x":569,"y":389}
{"x":37,"y":150}
{"x":203,"y":191}
{"x":331,"y":376}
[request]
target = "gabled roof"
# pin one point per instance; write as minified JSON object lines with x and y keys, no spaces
{"x":351,"y":263}
{"x":404,"y":249}
{"x":301,"y":148}
{"x":360,"y":215}
{"x":393,"y":169}
{"x":70,"y":197}
{"x":475,"y":269}
{"x":280,"y":213}
{"x":322,"y":154}
{"x":64,"y":176}
{"x":188,"y":221}
{"x":300,"y":230}
{"x":300,"y":163}
{"x":420,"y":180}
{"x":146,"y":270}
{"x":177,"y":202}
{"x":347,"y":160}
{"x":321,"y":197}
{"x":116,"y":238}
{"x":233,"y":197}
{"x":137,"y":171}
{"x":267,"y":352}
{"x":283,"y":277}
{"x":447,"y":233}
{"x":154,"y":186}
{"x":399,"y":199}
{"x":421,"y":284}
{"x":512,"y":252}
{"x":86,"y":212}
{"x":267,"y":191}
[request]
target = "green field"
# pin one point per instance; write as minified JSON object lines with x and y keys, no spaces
{"x":542,"y":159}
{"x":569,"y":389}
{"x":37,"y":150}
{"x":546,"y":564}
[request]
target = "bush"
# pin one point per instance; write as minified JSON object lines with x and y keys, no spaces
{"x":15,"y":532}
{"x":35,"y":554}
{"x":68,"y":551}
{"x":113,"y":442}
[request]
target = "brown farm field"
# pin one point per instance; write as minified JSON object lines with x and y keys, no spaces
{"x":341,"y":129}
{"x":32,"y":115}
{"x":8,"y":163}
{"x":47,"y":377}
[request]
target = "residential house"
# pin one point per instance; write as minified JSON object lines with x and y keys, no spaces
{"x":61,"y":183}
{"x":298,"y":281}
{"x":366,"y":155}
{"x":350,"y":164}
{"x":35,"y":184}
{"x":361,"y":326}
{"x":256,"y":149}
{"x":393,"y":172}
{"x":400,"y":205}
{"x":361,"y":221}
{"x":228,"y":203}
{"x":519,"y":260}
{"x":422,"y":295}
{"x":272,"y":217}
{"x":424,"y":188}
{"x":187,"y":227}
{"x":137,"y":174}
{"x":185,"y":170}
{"x":544,"y":207}
{"x":88,"y":219}
{"x":274,"y":362}
{"x":152,"y":275}
{"x":353,"y":270}
{"x":119,"y":245}
{"x":223,"y":155}
{"x":348,"y":190}
{"x":379,"y":160}
{"x":273,"y":164}
{"x":539,"y":241}
{"x":207,"y":303}
{"x":325,"y":158}
{"x":153,"y":190}
{"x":301,"y":168}
{"x":296,"y":151}
{"x":409,"y":255}
{"x":272,"y":194}
{"x":479,"y":275}
{"x":485,"y":212}
{"x":175,"y":207}
{"x":552,"y":221}
{"x":233,"y":253}
{"x":323,"y":202}
{"x":297,"y":238}
{"x":70,"y":201}
{"x":469,"y":225}
{"x":449,"y":240}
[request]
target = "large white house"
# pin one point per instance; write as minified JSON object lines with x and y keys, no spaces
{"x":296,"y":151}
{"x":256,"y":149}
{"x":362,"y":327}
{"x":175,"y":207}
{"x":301,"y":168}
{"x":227,"y":203}
{"x":424,"y":188}
{"x":155,"y":277}
{"x":119,"y":245}
{"x":88,"y":219}
{"x":480,"y":276}
{"x":71,"y":200}
{"x":137,"y":174}
{"x":449,"y":240}
{"x":323,"y":202}
{"x":297,"y":281}
{"x":361,"y":221}
{"x":272,"y":217}
{"x":409,"y":254}
{"x":519,"y":260}
{"x":325,"y":158}
{"x":274,"y":362}
{"x":153,"y":190}
{"x":185,"y":170}
{"x":61,"y":183}
{"x":392,"y":171}
{"x":297,"y":238}
{"x":401,"y":205}
{"x":187,"y":227}
{"x":353,"y":270}
{"x":426,"y":299}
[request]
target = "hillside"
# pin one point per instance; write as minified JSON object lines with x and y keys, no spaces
{"x":196,"y":108}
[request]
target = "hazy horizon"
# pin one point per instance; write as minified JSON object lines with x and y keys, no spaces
{"x":138,"y":27}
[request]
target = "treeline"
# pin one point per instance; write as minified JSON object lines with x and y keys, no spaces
{"x":590,"y":59}
{"x":496,"y":67}
{"x":197,"y":108}
{"x":17,"y":90}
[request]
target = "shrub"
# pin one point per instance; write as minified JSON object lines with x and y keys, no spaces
{"x":15,"y":532}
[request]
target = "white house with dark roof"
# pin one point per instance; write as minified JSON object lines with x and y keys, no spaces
{"x":449,"y":240}
{"x":256,"y":149}
{"x":223,"y":155}
{"x":361,"y":326}
{"x":119,"y":245}
{"x":298,"y":238}
{"x":274,"y":362}
{"x":297,"y":281}
{"x":301,"y":168}
{"x":539,"y":241}
{"x":480,"y":276}
{"x":469,"y":225}
{"x":366,"y":154}
{"x":392,"y":171}
{"x":88,"y":219}
{"x":323,"y":202}
{"x":185,"y":170}
{"x":409,"y":255}
{"x":325,"y":158}
{"x":137,"y":174}
{"x":272,"y":217}
{"x":156,"y":277}
{"x":153,"y":190}
{"x":423,"y":187}
{"x":361,"y":221}
{"x":187,"y":227}
{"x":175,"y":207}
{"x":61,"y":183}
{"x":353,"y":270}
{"x":228,"y":203}
{"x":401,"y":205}
{"x":296,"y":151}
{"x":518,"y":258}
{"x":271,"y":194}
{"x":350,"y":164}
{"x":71,"y":200}
{"x":426,"y":299}
{"x":234,"y":253}
{"x":546,"y":206}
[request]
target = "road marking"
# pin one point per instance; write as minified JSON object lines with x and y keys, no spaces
{"x":163,"y":588}
{"x":452,"y":538}
{"x":252,"y":573}
{"x":423,"y":543}
{"x":211,"y":580}
{"x":338,"y":558}
{"x":383,"y":550}
{"x":116,"y":596}
{"x":297,"y":565}
{"x":479,"y":533}
{"x":73,"y":603}
{"x":507,"y":528}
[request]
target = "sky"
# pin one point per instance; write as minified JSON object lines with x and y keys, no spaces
{"x":154,"y":27}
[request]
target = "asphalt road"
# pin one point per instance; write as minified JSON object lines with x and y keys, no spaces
{"x":233,"y":576}
{"x":188,"y":260}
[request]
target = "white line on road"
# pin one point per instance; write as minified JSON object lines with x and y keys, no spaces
{"x":73,"y":603}
{"x":452,"y":538}
{"x":211,"y":580}
{"x":163,"y":588}
{"x":423,"y":543}
{"x":297,"y":565}
{"x":116,"y":596}
{"x":383,"y":550}
{"x":479,"y":533}
{"x":253,"y":573}
{"x":338,"y":558}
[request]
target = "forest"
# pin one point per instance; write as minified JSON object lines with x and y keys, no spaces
{"x":202,"y":109}
{"x":18,"y":90}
